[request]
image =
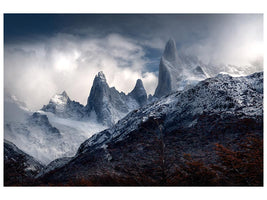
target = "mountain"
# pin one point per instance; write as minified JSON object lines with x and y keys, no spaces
{"x":177,"y":71}
{"x":104,"y":103}
{"x":108,"y":104}
{"x":62,"y":125}
{"x":150,"y":144}
{"x":45,"y":135}
{"x":62,"y":106}
{"x":128,"y":136}
{"x":19,"y":167}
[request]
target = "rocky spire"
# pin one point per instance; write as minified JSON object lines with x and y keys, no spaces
{"x":139,"y":93}
{"x":168,"y":69}
{"x":106,"y":102}
{"x":99,"y":89}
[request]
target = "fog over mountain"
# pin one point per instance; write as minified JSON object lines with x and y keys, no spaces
{"x":47,"y":54}
{"x":133,"y":100}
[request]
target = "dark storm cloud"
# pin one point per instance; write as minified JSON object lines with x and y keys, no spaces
{"x":184,"y":27}
{"x":150,"y":30}
{"x":208,"y":36}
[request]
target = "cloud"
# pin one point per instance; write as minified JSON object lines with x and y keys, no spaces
{"x":230,"y":39}
{"x":125,"y":47}
{"x":35,"y":72}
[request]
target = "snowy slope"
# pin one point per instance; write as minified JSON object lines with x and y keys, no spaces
{"x":223,"y":93}
{"x":62,"y":125}
{"x":217,"y":110}
{"x":44,"y":135}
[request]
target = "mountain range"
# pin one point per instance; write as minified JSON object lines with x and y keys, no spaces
{"x":153,"y":139}
{"x":58,"y":128}
{"x":130,"y":139}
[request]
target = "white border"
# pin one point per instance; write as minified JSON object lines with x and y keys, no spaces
{"x":124,"y":6}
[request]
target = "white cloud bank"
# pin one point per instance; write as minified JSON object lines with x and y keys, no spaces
{"x":35,"y":72}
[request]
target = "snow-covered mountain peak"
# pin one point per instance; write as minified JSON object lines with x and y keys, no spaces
{"x":60,"y":99}
{"x":63,"y":106}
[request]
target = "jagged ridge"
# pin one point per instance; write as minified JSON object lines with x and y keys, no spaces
{"x":219,"y":109}
{"x":109,"y":105}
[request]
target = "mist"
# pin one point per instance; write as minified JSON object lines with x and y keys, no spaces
{"x":40,"y":60}
{"x":34,"y":73}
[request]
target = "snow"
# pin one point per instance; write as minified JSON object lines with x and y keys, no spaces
{"x":45,"y":148}
{"x":221,"y":94}
{"x":131,"y":104}
{"x":59,"y":99}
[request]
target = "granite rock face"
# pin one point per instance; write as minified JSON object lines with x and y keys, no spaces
{"x":108,"y":104}
{"x":177,"y":71}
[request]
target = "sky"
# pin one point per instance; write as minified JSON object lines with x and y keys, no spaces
{"x":45,"y":54}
